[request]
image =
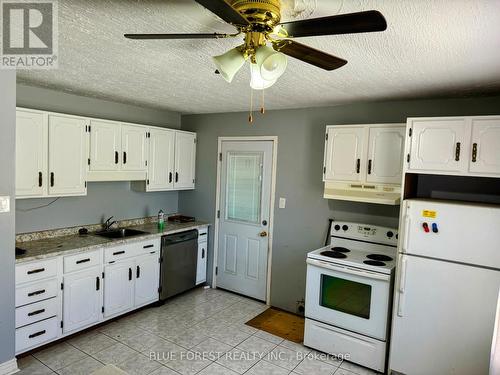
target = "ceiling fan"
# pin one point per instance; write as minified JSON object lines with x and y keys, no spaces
{"x":260,"y":23}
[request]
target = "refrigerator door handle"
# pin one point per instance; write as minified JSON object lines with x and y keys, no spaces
{"x":402,"y":286}
{"x":406,"y":234}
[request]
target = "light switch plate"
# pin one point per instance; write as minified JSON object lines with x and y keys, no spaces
{"x":4,"y":204}
{"x":282,"y":203}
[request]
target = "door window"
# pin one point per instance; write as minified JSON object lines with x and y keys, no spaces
{"x":346,"y":296}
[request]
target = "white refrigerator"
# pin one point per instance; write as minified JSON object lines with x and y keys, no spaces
{"x":447,"y":288}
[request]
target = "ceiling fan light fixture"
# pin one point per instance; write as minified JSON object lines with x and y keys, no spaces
{"x":272,"y":64}
{"x":229,"y":63}
{"x":257,"y":82}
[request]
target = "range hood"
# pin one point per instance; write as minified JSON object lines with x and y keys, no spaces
{"x":368,"y":193}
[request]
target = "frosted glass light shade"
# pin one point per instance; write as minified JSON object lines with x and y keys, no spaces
{"x":256,"y":81}
{"x":272,"y":64}
{"x":229,"y":63}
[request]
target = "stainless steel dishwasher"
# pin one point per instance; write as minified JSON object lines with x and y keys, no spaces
{"x":179,"y":255}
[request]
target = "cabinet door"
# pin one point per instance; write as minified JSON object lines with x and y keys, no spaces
{"x":67,"y":156}
{"x":31,"y":154}
{"x":147,"y":279}
{"x":185,"y":158}
{"x":105,"y":146}
{"x":439,"y":145}
{"x":161,"y":160}
{"x":385,"y":155}
{"x":118,"y":288}
{"x":485,"y":146}
{"x":133,"y":148}
{"x":82,"y":299}
{"x":201,"y":266}
{"x":343,"y":154}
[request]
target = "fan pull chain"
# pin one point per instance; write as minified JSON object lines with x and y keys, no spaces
{"x":263,"y":106}
{"x":250,"y":116}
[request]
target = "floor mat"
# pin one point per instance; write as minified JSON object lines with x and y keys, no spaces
{"x":280,"y":323}
{"x":109,"y":370}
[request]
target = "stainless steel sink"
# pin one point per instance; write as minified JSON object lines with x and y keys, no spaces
{"x":120,"y":233}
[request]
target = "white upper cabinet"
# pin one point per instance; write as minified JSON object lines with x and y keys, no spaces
{"x":439,"y":144}
{"x":185,"y":159}
{"x":133,"y":148}
{"x":465,"y":146}
{"x":485,"y":146}
{"x":343,"y":153}
{"x":385,"y":155}
{"x":161,"y":160}
{"x":105,"y":146}
{"x":31,"y":154}
{"x":67,"y":156}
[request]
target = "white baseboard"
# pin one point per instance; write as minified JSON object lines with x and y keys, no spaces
{"x":9,"y":367}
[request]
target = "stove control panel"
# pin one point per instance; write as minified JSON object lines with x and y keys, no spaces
{"x":365,"y":232}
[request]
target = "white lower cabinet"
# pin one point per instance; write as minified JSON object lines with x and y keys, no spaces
{"x":147,"y":279}
{"x":82,"y":299}
{"x":118,"y":287}
{"x":29,"y":337}
{"x":201,"y":265}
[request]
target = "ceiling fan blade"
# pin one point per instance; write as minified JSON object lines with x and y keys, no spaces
{"x":225,"y":11}
{"x":177,"y":36}
{"x":309,"y":55}
{"x":361,"y":22}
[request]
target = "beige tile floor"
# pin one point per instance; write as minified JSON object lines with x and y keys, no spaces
{"x":200,"y":332}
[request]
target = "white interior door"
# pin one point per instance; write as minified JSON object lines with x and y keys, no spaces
{"x":343,"y":154}
{"x":105,"y":145}
{"x":485,"y":146}
{"x":67,"y":156}
{"x":161,"y":160}
{"x":185,"y":158}
{"x":133,"y":148}
{"x":245,"y":196}
{"x":385,"y":154}
{"x":31,"y":154}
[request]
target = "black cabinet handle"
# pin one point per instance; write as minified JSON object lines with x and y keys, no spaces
{"x":38,"y":270}
{"x":124,"y":157}
{"x":37,"y":334}
{"x":119,"y":252}
{"x":36,"y":312}
{"x":97,"y":283}
{"x":474,"y":152}
{"x":51,"y":179}
{"x":358,"y":165}
{"x":116,"y":157}
{"x":176,"y":177}
{"x":36,"y":293}
{"x":138,"y":272}
{"x":202,"y":253}
{"x":370,"y":166}
{"x":204,"y":234}
{"x":40,"y":179}
{"x":170,"y":178}
{"x":130,"y":274}
{"x":457,"y":152}
{"x":83,"y":261}
{"x":147,"y":246}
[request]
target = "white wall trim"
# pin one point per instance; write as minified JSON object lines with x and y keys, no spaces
{"x":273,"y":139}
{"x":9,"y":367}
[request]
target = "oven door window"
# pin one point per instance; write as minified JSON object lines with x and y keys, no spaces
{"x":346,"y":296}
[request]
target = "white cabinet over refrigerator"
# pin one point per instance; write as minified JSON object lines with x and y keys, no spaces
{"x":447,"y":288}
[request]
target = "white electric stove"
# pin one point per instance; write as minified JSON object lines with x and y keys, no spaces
{"x":349,"y":292}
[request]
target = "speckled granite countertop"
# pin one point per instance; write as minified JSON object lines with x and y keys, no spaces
{"x":71,"y":244}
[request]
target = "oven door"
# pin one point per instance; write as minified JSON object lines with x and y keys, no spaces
{"x":350,"y":298}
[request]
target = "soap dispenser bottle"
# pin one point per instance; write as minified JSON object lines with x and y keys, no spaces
{"x":161,"y":220}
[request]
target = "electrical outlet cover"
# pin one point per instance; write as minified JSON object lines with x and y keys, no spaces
{"x":4,"y":204}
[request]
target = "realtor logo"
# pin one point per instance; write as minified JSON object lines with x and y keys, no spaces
{"x":29,"y":34}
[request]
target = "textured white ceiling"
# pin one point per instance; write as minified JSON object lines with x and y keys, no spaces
{"x":431,"y":48}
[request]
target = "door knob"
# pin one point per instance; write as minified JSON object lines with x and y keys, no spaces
{"x":263,"y":234}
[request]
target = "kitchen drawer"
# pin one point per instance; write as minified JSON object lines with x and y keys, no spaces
{"x":37,"y":311}
{"x":36,"y":334}
{"x":82,"y":261}
{"x":36,"y":271}
{"x":131,"y":250}
{"x":150,"y":246}
{"x":202,"y":234}
{"x":36,"y":292}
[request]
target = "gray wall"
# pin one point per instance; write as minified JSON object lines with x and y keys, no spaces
{"x":302,"y":225}
{"x":7,"y":220}
{"x":103,"y":199}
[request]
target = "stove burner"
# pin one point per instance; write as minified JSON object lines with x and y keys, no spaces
{"x":374,"y":263}
{"x":341,"y":249}
{"x":379,"y":257}
{"x":333,"y":254}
